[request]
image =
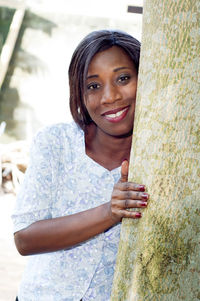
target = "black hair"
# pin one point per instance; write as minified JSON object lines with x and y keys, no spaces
{"x":93,"y":43}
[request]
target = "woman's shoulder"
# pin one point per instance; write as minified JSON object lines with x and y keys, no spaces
{"x":57,"y":141}
{"x":56,"y":133}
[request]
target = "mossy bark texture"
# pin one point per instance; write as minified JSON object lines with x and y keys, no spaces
{"x":159,"y":255}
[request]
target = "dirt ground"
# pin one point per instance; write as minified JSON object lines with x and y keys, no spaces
{"x":11,"y":263}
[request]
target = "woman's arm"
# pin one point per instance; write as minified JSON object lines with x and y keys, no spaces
{"x":63,"y":232}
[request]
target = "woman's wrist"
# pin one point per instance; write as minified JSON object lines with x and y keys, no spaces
{"x":109,"y":216}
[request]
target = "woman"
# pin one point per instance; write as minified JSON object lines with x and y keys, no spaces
{"x":76,"y":189}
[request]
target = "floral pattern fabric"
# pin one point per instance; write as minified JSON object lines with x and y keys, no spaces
{"x":61,"y":180}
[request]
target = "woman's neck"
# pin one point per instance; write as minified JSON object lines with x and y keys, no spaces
{"x":109,"y":151}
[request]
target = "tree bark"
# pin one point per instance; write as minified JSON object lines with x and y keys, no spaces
{"x":159,"y":255}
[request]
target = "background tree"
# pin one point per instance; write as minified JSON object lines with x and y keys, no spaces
{"x":158,"y":256}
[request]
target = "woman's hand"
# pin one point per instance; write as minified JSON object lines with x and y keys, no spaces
{"x":127,"y":195}
{"x":67,"y":231}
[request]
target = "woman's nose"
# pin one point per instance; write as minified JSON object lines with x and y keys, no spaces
{"x":110,"y":94}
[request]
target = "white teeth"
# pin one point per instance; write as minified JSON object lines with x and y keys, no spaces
{"x":112,"y":115}
{"x":119,"y":113}
{"x":116,"y":114}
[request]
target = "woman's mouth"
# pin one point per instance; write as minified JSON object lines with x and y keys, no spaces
{"x":116,"y":115}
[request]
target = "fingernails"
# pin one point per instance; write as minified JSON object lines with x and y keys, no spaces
{"x":124,"y":160}
{"x":145,"y":196}
{"x":138,"y":215}
{"x":143,"y":204}
{"x":142,"y":188}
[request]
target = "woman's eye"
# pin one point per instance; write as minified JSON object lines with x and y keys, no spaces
{"x":124,"y":78}
{"x":93,"y":86}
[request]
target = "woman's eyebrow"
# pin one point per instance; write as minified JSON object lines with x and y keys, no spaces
{"x":120,"y":68}
{"x":92,"y":76}
{"x":115,"y":70}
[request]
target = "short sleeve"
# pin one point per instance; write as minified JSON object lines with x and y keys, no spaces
{"x":34,"y":199}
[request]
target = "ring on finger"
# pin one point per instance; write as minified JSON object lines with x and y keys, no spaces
{"x":126,"y":204}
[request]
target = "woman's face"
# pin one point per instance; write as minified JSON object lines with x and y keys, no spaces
{"x":111,"y":91}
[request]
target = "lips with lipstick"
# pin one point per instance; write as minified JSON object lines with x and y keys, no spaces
{"x":116,"y":115}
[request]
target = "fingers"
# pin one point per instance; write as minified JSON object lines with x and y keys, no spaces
{"x":124,"y":171}
{"x":120,"y":193}
{"x":127,"y":204}
{"x":127,"y":195}
{"x":120,"y":208}
{"x":131,"y":214}
{"x":117,"y":214}
{"x":134,"y":195}
{"x":124,"y":179}
{"x":130,"y":186}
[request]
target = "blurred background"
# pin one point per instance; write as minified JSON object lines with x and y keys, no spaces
{"x":37,"y":39}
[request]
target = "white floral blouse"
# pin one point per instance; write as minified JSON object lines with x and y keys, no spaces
{"x":61,"y":180}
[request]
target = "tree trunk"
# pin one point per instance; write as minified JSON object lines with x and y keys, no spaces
{"x":159,"y":255}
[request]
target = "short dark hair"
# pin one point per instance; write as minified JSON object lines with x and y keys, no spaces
{"x":93,"y":43}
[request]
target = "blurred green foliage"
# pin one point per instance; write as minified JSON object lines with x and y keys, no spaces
{"x":6,"y":15}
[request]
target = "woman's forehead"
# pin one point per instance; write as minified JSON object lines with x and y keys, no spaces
{"x":113,"y":57}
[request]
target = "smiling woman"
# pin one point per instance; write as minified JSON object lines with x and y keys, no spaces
{"x":95,"y":43}
{"x":76,"y":188}
{"x":111,"y":92}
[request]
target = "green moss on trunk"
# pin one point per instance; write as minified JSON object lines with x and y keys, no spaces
{"x":158,"y":256}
